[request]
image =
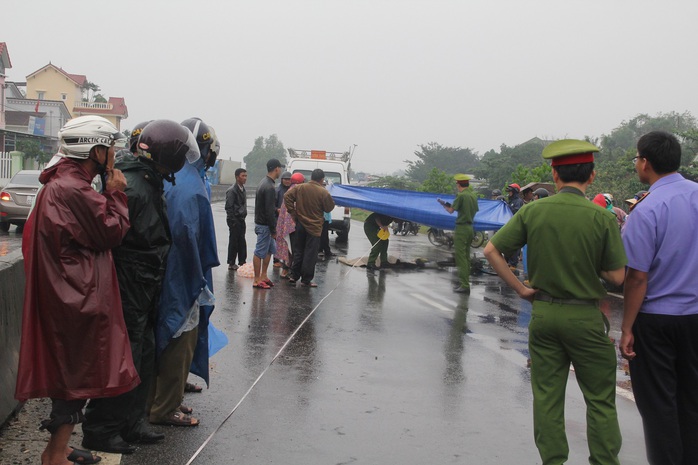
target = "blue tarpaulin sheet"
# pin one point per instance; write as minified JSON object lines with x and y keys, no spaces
{"x":419,"y":207}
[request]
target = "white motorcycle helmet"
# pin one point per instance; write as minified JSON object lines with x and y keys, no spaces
{"x":80,"y":134}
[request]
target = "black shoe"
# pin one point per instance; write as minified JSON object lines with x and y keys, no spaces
{"x":114,"y":444}
{"x":144,"y":435}
{"x":372,"y":268}
{"x":462,"y":290}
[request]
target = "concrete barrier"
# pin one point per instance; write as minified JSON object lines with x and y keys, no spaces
{"x":12,"y":292}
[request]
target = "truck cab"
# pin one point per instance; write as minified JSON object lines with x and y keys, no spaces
{"x":336,"y":168}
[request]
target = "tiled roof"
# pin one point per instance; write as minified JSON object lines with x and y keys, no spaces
{"x":5,"y":55}
{"x":79,"y":78}
{"x":73,"y":77}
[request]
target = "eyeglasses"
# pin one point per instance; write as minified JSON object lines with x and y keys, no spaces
{"x":635,"y":159}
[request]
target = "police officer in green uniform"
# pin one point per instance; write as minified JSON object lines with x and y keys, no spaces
{"x":466,"y":206}
{"x":379,"y":248}
{"x":571,"y":244}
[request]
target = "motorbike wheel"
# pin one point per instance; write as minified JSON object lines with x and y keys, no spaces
{"x":478,"y":239}
{"x":433,"y":238}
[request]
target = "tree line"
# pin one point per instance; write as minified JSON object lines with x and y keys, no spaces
{"x":435,"y":164}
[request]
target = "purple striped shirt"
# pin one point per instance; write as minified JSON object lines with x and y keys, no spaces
{"x":660,"y":239}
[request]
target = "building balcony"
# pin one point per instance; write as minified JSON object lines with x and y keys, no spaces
{"x":93,"y":106}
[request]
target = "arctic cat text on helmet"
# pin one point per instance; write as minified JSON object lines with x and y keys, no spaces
{"x":80,"y":135}
{"x":167,"y":145}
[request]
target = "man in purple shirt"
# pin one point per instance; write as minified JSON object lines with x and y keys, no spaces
{"x":660,"y":323}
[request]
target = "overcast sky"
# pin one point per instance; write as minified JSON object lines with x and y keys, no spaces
{"x":386,"y":75}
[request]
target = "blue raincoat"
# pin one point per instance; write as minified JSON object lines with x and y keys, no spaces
{"x":192,"y":256}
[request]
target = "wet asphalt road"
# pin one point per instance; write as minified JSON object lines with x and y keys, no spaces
{"x":391,"y":368}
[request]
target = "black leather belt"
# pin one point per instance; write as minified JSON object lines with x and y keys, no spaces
{"x":544,"y":297}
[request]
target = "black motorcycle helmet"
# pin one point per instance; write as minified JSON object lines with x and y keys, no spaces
{"x":167,"y":145}
{"x":203,"y":136}
{"x":135,"y":133}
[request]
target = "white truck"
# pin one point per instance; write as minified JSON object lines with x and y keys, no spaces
{"x":336,"y":167}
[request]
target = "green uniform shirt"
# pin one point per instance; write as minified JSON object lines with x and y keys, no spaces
{"x":466,"y":206}
{"x":570,"y":241}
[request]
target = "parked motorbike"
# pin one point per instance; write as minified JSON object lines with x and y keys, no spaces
{"x":405,"y":227}
{"x":441,"y":238}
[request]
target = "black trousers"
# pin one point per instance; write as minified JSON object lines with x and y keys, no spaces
{"x":305,"y":250}
{"x":125,"y":414}
{"x":664,"y":376}
{"x":325,"y":239}
{"x":237,"y":245}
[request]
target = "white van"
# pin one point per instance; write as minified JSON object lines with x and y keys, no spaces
{"x":336,"y":168}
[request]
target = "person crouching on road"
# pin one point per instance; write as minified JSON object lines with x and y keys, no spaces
{"x":374,"y":223}
{"x":571,"y":244}
{"x":466,"y":206}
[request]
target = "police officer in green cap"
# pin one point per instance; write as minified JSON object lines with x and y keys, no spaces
{"x":571,"y":244}
{"x":466,"y":206}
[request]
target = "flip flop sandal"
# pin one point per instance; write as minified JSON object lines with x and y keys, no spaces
{"x":186,"y":410}
{"x":189,"y":387}
{"x":261,"y":285}
{"x":178,"y":418}
{"x":308,"y":284}
{"x":291,"y":280}
{"x":84,"y":457}
{"x":269,"y":282}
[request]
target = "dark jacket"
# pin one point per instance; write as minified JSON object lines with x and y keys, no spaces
{"x":265,"y":204}
{"x":144,"y":249}
{"x":515,"y":203}
{"x":236,"y":203}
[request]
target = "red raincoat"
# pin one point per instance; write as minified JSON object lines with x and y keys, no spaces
{"x":74,"y":340}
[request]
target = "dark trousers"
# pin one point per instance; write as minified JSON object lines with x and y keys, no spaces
{"x":305,"y":249}
{"x":325,"y":238}
{"x":664,"y":375}
{"x":124,"y":414}
{"x":379,"y":248}
{"x":237,"y":245}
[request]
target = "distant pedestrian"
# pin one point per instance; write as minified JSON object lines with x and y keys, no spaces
{"x":527,"y":195}
{"x":286,"y":226}
{"x":515,"y":203}
{"x":236,"y":215}
{"x":74,"y":343}
{"x":466,"y":206}
{"x":373,"y":224}
{"x":265,"y":224}
{"x":540,"y":193}
{"x":308,"y":203}
{"x":660,"y":322}
{"x":571,"y":244}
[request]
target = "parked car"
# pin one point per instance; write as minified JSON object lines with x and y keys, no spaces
{"x":17,"y":197}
